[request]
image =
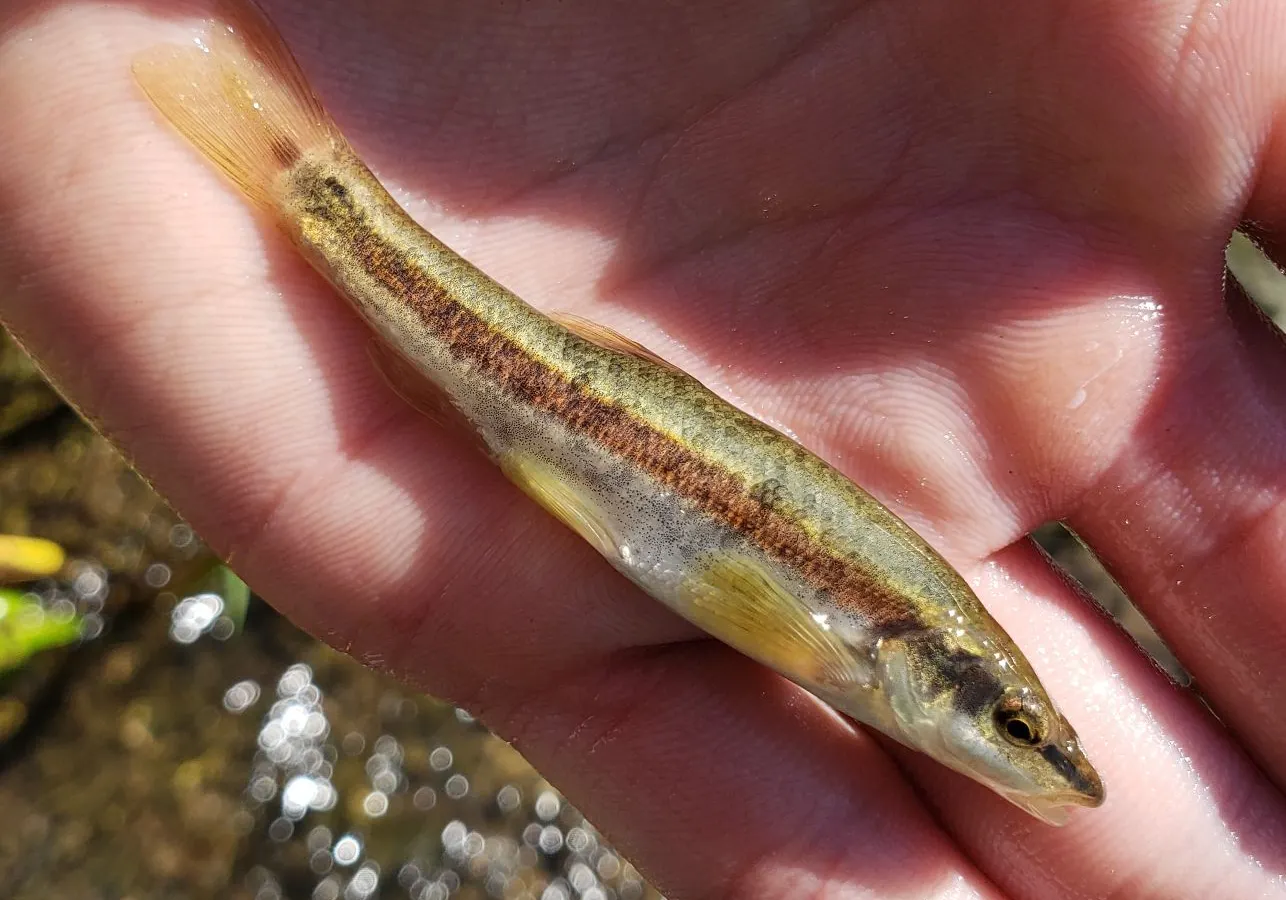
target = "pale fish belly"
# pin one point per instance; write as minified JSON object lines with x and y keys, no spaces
{"x":659,"y":540}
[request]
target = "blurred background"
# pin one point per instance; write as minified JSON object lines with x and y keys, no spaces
{"x":163,"y":733}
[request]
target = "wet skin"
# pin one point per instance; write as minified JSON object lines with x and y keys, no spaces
{"x":972,"y":258}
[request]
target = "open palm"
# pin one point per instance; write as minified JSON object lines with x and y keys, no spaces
{"x":970,"y":253}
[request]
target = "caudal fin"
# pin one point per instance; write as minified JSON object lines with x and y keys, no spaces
{"x":237,"y":93}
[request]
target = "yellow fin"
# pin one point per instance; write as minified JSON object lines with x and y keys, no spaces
{"x":239,"y":96}
{"x":609,"y":339}
{"x":542,"y":484}
{"x":743,"y":604}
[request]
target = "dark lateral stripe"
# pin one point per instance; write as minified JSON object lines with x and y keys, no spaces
{"x":706,"y":484}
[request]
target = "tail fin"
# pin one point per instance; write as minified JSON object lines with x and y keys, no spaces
{"x":239,"y":96}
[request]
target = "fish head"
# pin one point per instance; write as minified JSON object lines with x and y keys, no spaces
{"x":980,"y":709}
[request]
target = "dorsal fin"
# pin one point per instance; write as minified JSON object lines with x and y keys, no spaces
{"x":608,"y":339}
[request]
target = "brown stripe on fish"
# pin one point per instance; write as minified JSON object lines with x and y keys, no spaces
{"x":701,"y":481}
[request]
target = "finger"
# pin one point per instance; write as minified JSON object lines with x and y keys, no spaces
{"x":1128,"y":401}
{"x":679,"y":750}
{"x":1190,"y":517}
{"x":1190,"y":520}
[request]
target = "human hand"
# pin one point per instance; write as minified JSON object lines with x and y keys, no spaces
{"x":971,"y":255}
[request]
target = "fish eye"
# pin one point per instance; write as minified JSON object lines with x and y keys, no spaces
{"x":1020,"y":726}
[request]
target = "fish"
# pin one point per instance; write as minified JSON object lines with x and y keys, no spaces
{"x":725,"y":520}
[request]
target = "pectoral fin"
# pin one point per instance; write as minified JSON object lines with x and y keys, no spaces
{"x":608,"y":339}
{"x":742,"y":603}
{"x":561,"y":500}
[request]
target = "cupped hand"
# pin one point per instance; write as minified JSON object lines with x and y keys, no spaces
{"x":970,"y":253}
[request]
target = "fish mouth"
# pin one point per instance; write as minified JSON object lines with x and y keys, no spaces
{"x":1083,"y":788}
{"x":1052,"y":809}
{"x":1077,"y":785}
